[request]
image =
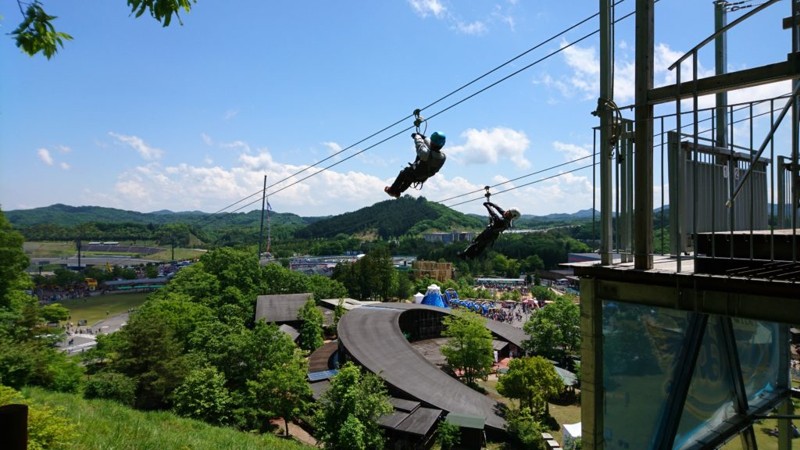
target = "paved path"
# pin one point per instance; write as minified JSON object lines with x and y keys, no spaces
{"x":296,"y":432}
{"x":80,"y":342}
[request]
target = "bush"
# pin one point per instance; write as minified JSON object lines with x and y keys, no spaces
{"x":448,"y":435}
{"x":203,"y":396}
{"x":67,"y":374}
{"x":525,"y":429}
{"x":111,"y":386}
{"x":48,"y":428}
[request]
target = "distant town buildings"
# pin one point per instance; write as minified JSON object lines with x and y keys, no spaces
{"x":449,"y":237}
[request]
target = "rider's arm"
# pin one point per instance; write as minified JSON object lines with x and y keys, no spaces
{"x":423,"y":147}
{"x":492,"y":213}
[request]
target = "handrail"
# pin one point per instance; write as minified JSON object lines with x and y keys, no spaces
{"x":763,"y":146}
{"x":723,"y":30}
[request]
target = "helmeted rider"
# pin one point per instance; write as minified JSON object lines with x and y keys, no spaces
{"x":430,"y":159}
{"x":499,"y":221}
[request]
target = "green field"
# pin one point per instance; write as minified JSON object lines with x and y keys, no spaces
{"x":47,"y":249}
{"x":94,"y":309}
{"x":103,"y":425}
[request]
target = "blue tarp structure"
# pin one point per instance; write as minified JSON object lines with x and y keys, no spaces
{"x":450,"y":296}
{"x":434,"y":297}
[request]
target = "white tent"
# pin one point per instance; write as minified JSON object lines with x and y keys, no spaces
{"x":418,"y":297}
{"x":571,"y":432}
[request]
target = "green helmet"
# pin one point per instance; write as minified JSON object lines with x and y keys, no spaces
{"x":438,"y":139}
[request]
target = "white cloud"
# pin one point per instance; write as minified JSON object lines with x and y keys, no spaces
{"x":64,"y":166}
{"x":424,"y":8}
{"x":63,"y":149}
{"x":489,"y":146}
{"x":44,"y":156}
{"x":473,"y":28}
{"x":584,"y":77}
{"x":572,"y":151}
{"x":145,"y":151}
{"x":236,"y":145}
{"x":333,"y":147}
{"x":206,"y":139}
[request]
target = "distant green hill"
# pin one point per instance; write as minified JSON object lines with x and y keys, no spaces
{"x":392,"y":218}
{"x":68,"y":216}
{"x":389,"y":218}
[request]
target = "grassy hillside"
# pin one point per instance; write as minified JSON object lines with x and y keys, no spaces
{"x":104,"y":425}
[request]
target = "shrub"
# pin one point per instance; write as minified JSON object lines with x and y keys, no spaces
{"x":448,"y":435}
{"x":48,"y":428}
{"x":111,"y":386}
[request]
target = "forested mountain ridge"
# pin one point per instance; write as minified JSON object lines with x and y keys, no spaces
{"x":392,"y":218}
{"x":66,"y":215}
{"x":386,"y":219}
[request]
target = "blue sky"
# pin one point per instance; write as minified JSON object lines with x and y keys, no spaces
{"x":135,"y":116}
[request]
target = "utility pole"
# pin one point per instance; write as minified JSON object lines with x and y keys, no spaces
{"x":261,"y":231}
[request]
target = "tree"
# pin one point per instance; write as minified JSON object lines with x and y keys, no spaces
{"x":282,"y":389}
{"x":54,"y":312}
{"x":526,"y":430}
{"x":372,"y":276}
{"x":554,"y":330}
{"x":13,"y":262}
{"x":469,"y":349}
{"x":531,"y":380}
{"x":348,"y":412}
{"x":203,"y":396}
{"x":149,"y":353}
{"x":311,"y":329}
{"x":448,"y":435}
{"x":36,"y":32}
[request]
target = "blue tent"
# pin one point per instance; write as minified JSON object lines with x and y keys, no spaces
{"x":434,"y":297}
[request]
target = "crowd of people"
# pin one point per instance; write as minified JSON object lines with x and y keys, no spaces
{"x":511,"y":312}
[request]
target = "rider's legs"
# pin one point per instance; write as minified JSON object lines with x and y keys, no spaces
{"x":404,"y":180}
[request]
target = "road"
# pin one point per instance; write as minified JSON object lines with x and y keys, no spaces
{"x":75,"y":342}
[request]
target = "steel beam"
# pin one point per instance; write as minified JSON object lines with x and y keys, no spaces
{"x":787,"y":70}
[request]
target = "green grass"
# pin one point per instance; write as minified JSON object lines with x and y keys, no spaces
{"x":49,"y":249}
{"x":94,"y":309}
{"x":106,"y":425}
{"x":764,"y":440}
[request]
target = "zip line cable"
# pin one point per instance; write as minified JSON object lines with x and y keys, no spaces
{"x":505,"y":182}
{"x":516,"y":179}
{"x":474,"y":94}
{"x":517,"y":72}
{"x":738,"y":107}
{"x":526,"y":184}
{"x":535,"y":47}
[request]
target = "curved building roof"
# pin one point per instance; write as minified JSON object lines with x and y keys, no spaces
{"x":372,"y":336}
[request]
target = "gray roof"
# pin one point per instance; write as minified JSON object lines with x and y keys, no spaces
{"x":465,"y":421}
{"x":403,"y":405}
{"x":372,"y":336}
{"x":567,"y":377}
{"x":319,"y":388}
{"x":419,"y":421}
{"x":290,"y":330}
{"x":280,"y":308}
